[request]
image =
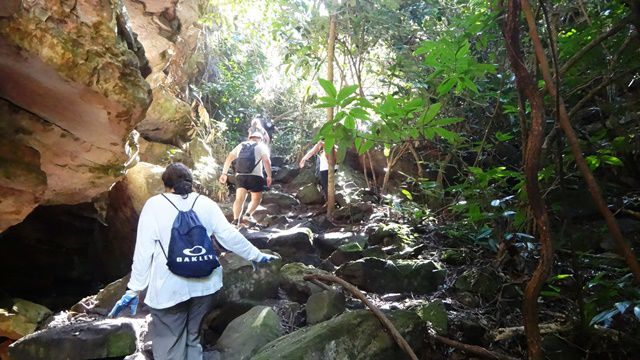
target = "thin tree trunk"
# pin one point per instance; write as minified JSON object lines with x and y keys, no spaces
{"x":373,"y":171}
{"x":331,"y":186}
{"x":594,"y":189}
{"x":527,"y":85}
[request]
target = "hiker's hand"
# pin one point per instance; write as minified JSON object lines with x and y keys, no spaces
{"x":269,"y":180}
{"x":223,"y":179}
{"x":130,"y":298}
{"x":265,"y":258}
{"x":302,"y":163}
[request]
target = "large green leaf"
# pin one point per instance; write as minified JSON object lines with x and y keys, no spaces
{"x":359,"y":113}
{"x":431,"y":113}
{"x":328,"y":87}
{"x":346,"y":91}
{"x":446,"y":121}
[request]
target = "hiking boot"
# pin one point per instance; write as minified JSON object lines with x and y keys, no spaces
{"x":251,"y":221}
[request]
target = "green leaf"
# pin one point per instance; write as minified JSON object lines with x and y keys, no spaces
{"x":446,"y":121}
{"x":407,"y":194}
{"x":387,"y":150}
{"x":329,"y":141}
{"x":339,"y":116}
{"x":603,"y":316}
{"x":446,"y":86}
{"x":611,"y":160}
{"x":446,"y":134}
{"x":346,"y":91}
{"x":431,"y":113}
{"x":342,"y":150}
{"x":359,"y":113}
{"x":622,"y":306}
{"x":549,"y":293}
{"x":350,"y":122}
{"x":328,"y":87}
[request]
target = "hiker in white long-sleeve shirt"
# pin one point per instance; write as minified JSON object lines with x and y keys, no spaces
{"x":178,"y":304}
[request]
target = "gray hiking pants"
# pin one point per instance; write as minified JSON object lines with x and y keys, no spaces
{"x":175,"y":331}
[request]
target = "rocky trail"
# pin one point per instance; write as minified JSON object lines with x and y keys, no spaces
{"x":415,"y":275}
{"x":446,"y":297}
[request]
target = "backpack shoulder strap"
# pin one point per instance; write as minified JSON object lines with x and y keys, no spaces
{"x":194,"y":202}
{"x":174,"y":205}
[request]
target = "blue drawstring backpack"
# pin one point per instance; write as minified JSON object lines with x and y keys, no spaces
{"x":191,"y":253}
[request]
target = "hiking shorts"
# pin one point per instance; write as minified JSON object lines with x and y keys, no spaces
{"x":253,"y":183}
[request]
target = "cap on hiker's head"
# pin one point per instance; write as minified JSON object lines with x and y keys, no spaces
{"x":256,"y":134}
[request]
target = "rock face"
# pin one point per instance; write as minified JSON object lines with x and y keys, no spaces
{"x":74,"y":92}
{"x":353,"y":335}
{"x":168,"y":31}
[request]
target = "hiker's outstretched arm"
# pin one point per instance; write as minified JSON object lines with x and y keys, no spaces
{"x":225,"y":168}
{"x":230,"y":237}
{"x":314,"y":150}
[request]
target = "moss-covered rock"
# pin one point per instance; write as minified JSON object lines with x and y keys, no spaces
{"x":249,"y":332}
{"x":435,"y":315}
{"x":352,"y":335}
{"x":482,"y":282}
{"x":324,"y":305}
{"x":293,"y":281}
{"x":87,"y":340}
{"x":384,"y":276}
{"x":309,"y":194}
{"x":21,"y":318}
{"x":168,"y":119}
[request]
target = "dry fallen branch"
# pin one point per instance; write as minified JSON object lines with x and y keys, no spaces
{"x":548,"y":328}
{"x":476,"y":350}
{"x":473,"y":349}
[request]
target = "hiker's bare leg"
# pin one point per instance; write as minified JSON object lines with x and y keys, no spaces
{"x":256,"y":198}
{"x":241,"y":196}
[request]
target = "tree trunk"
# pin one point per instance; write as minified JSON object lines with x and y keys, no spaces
{"x":331,"y":184}
{"x":624,"y":249}
{"x":527,"y":85}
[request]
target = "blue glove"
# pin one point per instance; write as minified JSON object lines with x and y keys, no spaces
{"x":263,"y":258}
{"x":130,"y":298}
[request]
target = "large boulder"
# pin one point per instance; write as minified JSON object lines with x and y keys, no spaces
{"x":246,"y":334}
{"x":243,"y":282}
{"x":73,"y":94}
{"x":21,"y":318}
{"x":294,"y":245}
{"x":352,"y":335}
{"x":285,"y":202}
{"x":286,"y":173}
{"x":309,"y":195}
{"x":385,"y":276}
{"x":86,"y":340}
{"x":293,"y":282}
{"x":168,"y":119}
{"x":330,"y":241}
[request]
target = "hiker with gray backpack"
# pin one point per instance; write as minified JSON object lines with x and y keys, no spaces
{"x":175,"y":261}
{"x":251,"y":158}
